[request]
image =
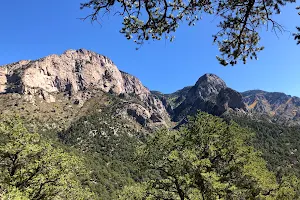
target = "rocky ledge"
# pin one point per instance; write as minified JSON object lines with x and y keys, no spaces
{"x":74,"y":72}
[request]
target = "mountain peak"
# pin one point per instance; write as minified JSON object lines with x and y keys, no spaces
{"x":79,"y":51}
{"x":209,"y":94}
{"x":79,"y":75}
{"x":211,"y":79}
{"x":207,"y":86}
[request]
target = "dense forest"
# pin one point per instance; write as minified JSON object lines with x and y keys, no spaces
{"x":278,"y":143}
{"x":207,"y":158}
{"x":74,"y":126}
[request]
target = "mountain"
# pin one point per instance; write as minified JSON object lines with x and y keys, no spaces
{"x":73,"y":80}
{"x":82,"y":102}
{"x":276,"y":105}
{"x":209,"y":94}
{"x":173,"y":99}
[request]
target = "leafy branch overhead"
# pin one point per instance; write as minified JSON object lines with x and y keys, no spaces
{"x":238,"y":37}
{"x":297,"y":35}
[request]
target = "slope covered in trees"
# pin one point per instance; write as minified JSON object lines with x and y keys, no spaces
{"x":279,"y":144}
{"x":32,"y":168}
{"x":104,"y":145}
{"x":208,"y":158}
{"x":108,"y":148}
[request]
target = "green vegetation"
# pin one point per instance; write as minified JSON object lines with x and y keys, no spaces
{"x":32,"y":168}
{"x":173,"y":99}
{"x":279,"y":144}
{"x":208,"y":158}
{"x":98,"y":132}
{"x":297,"y":35}
{"x":238,"y":35}
{"x":108,"y":149}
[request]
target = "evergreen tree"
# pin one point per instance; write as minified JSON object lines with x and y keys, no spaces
{"x":31,"y":168}
{"x":238,"y":28}
{"x":206,"y":159}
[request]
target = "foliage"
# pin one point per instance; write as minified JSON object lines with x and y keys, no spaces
{"x":278,"y":143}
{"x":240,"y":21}
{"x":173,"y":99}
{"x":297,"y":35}
{"x":206,"y":159}
{"x":289,"y":188}
{"x":32,"y":168}
{"x":136,"y":191}
{"x":108,"y":150}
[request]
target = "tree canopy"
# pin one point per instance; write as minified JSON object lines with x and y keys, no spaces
{"x":207,"y":159}
{"x":238,"y":29}
{"x":297,"y":35}
{"x":31,"y":168}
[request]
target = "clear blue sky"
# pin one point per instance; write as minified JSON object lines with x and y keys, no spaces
{"x":34,"y":29}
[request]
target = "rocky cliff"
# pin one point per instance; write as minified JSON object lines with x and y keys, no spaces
{"x":73,"y":71}
{"x":276,"y":105}
{"x":209,"y":94}
{"x":79,"y":75}
{"x":76,"y":73}
{"x":3,"y":80}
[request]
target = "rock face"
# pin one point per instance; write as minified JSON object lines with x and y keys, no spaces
{"x":207,"y":87}
{"x":209,"y":94}
{"x":73,"y":72}
{"x":132,"y":85}
{"x":70,"y":72}
{"x":79,"y":74}
{"x":229,"y":98}
{"x":3,"y":80}
{"x":276,"y":105}
{"x":171,"y":101}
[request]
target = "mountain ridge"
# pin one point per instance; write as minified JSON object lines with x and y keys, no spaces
{"x":273,"y":106}
{"x":84,"y":104}
{"x":77,"y":73}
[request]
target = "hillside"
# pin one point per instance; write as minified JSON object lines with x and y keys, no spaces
{"x":278,"y":106}
{"x":275,"y":107}
{"x":81,"y":102}
{"x":65,"y":85}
